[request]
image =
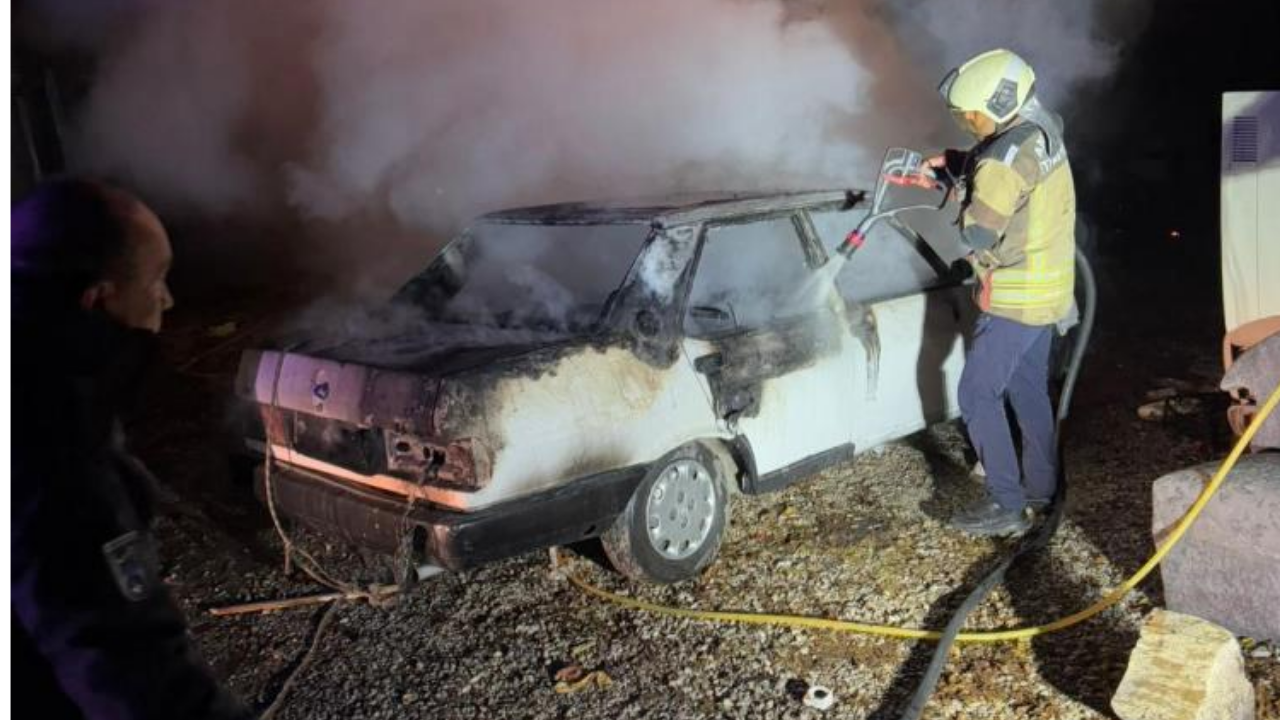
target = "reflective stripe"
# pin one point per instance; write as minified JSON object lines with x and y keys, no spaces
{"x":1032,"y":279}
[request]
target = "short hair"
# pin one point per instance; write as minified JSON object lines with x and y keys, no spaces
{"x":66,"y":235}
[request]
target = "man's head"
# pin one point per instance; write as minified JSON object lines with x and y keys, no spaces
{"x":987,"y":92}
{"x":87,"y":245}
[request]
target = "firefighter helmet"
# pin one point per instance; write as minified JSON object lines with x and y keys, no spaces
{"x":996,"y":83}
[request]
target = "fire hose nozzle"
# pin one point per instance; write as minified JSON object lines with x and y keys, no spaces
{"x":854,"y":240}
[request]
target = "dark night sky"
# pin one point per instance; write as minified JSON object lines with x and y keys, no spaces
{"x":1151,"y":143}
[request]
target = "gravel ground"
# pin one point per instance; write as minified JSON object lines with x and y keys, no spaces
{"x":862,"y":541}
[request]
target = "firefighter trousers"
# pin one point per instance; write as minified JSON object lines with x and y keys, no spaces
{"x":1009,"y":362}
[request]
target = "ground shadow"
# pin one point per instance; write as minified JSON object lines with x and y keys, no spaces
{"x":903,"y":687}
{"x":948,"y":313}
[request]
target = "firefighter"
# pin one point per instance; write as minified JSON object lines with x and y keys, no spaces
{"x":1017,"y":218}
{"x":95,"y":632}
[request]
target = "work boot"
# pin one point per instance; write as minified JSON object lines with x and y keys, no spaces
{"x":988,"y":518}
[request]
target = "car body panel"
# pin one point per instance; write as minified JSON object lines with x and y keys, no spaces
{"x":481,"y":428}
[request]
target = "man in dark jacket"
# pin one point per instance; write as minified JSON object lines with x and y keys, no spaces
{"x":95,"y":633}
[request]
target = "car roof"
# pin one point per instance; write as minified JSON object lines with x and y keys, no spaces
{"x":676,"y":210}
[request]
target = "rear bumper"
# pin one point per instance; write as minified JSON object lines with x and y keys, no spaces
{"x":455,"y":540}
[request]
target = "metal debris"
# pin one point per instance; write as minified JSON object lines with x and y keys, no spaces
{"x":819,"y":698}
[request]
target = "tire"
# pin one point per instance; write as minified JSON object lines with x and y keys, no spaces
{"x":672,"y":527}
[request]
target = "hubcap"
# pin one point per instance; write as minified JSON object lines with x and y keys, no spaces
{"x":680,"y":509}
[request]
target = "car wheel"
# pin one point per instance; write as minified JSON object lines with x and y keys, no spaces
{"x":672,"y":526}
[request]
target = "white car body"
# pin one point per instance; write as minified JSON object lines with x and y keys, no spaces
{"x":774,"y":402}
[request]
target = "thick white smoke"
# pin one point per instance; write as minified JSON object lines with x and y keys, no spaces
{"x":436,"y":111}
{"x":422,"y":114}
{"x":1061,"y":40}
{"x":443,"y":109}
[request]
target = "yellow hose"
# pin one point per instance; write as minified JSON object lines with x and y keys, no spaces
{"x":1111,"y":598}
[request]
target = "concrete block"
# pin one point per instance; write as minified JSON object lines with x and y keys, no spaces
{"x":1227,"y":567}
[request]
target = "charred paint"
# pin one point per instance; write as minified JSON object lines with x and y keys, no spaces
{"x":744,"y":361}
{"x":862,"y":325}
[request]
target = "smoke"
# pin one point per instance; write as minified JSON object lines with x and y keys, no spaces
{"x":410,"y":115}
{"x":1063,"y":41}
{"x":433,"y":112}
{"x":528,"y":103}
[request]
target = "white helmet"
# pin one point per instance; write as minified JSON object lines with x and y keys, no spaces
{"x":996,"y":83}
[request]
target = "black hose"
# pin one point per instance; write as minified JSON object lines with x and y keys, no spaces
{"x":1044,"y":533}
{"x":1085,"y":271}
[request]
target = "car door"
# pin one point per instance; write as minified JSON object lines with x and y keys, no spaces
{"x":915,"y":323}
{"x":773,"y":355}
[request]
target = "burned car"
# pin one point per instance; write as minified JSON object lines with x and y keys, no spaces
{"x":584,"y":371}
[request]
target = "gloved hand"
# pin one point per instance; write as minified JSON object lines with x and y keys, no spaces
{"x":948,"y":168}
{"x":954,"y":162}
{"x":960,"y":271}
{"x":963,"y":270}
